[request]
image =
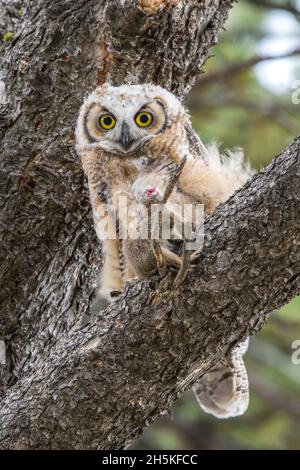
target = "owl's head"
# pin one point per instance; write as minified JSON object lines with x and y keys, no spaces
{"x":121,"y":119}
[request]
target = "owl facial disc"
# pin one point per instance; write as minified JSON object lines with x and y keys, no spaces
{"x":120,"y":120}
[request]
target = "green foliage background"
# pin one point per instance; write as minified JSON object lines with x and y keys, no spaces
{"x":239,"y":111}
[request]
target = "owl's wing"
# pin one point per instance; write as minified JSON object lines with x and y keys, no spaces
{"x":224,"y":390}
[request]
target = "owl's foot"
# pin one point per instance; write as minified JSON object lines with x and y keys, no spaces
{"x":162,"y":262}
{"x":165,"y":258}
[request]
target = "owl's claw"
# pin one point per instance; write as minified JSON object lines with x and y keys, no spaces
{"x":185,"y":265}
{"x":163,"y":266}
{"x":160,"y":259}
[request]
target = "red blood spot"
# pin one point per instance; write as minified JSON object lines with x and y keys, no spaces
{"x":150,"y":192}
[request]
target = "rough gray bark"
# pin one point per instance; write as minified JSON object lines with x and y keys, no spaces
{"x":101,"y":385}
{"x":97,"y":387}
{"x":49,"y":255}
{"x":11,"y":13}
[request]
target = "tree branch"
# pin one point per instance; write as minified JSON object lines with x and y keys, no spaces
{"x":234,"y":69}
{"x":100,"y":386}
{"x":281,"y":115}
{"x":286,"y":6}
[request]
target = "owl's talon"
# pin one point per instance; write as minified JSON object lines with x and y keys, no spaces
{"x":160,"y":259}
{"x":195,"y":255}
{"x":185,"y":265}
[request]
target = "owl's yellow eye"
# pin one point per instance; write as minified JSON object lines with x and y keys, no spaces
{"x":144,"y":119}
{"x":107,"y":121}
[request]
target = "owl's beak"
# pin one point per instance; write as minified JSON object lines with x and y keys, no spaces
{"x":126,"y":138}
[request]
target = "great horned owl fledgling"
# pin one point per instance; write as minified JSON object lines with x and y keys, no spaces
{"x":134,"y":137}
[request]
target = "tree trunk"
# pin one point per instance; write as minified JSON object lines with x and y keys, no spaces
{"x":49,"y":254}
{"x":99,"y":386}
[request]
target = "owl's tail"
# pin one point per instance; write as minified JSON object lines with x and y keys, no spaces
{"x":224,"y":390}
